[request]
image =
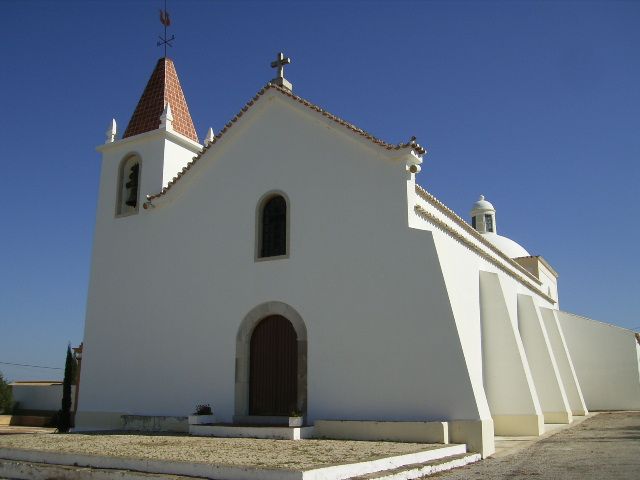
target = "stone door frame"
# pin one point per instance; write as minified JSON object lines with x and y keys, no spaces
{"x":243,"y":348}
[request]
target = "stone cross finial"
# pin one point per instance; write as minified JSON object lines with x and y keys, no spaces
{"x":279,"y":63}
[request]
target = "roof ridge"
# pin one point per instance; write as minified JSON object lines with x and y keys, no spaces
{"x":425,"y":215}
{"x":430,"y":198}
{"x":412,"y":144}
{"x":389,"y":146}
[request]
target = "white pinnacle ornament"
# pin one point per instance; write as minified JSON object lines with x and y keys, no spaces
{"x":166,"y":119}
{"x":209,"y":138}
{"x":111,"y":131}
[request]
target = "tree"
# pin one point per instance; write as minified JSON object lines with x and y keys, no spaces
{"x":64,"y":417}
{"x":5,"y":397}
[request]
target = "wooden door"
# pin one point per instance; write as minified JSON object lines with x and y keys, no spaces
{"x":273,"y":370}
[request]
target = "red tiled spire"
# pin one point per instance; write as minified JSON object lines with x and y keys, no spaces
{"x":163,"y":87}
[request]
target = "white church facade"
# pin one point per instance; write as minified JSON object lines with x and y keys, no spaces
{"x":290,"y":264}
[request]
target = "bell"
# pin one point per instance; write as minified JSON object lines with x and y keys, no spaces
{"x":132,"y":186}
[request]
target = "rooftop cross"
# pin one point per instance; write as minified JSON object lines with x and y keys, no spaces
{"x":166,"y":21}
{"x":279,"y":63}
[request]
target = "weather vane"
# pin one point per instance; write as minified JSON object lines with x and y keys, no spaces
{"x":166,"y":21}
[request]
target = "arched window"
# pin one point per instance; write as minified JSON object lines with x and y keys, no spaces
{"x":488,"y":222}
{"x":128,"y":186}
{"x":272,"y":225}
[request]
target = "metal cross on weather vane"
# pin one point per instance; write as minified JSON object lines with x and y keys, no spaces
{"x":279,"y":63}
{"x":166,"y":21}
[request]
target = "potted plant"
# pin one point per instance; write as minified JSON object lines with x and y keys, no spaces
{"x":202,"y":416}
{"x":296,"y":419}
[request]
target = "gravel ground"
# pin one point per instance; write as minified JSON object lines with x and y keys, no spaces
{"x":606,"y":446}
{"x":285,"y":454}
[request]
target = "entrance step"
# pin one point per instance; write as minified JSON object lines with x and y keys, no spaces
{"x":419,"y":470}
{"x":251,"y":431}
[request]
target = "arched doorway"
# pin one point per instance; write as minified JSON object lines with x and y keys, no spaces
{"x":246,"y":329}
{"x":273,"y":368}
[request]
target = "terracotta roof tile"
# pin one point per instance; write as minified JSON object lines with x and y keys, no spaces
{"x":163,"y":87}
{"x":411,"y":144}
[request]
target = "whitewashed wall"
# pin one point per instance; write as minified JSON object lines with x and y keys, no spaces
{"x":483,"y":332}
{"x":40,"y":397}
{"x":603,"y":356}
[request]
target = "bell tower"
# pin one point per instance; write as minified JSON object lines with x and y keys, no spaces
{"x":159,"y":140}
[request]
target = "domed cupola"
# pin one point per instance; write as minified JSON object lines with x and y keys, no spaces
{"x":483,"y":219}
{"x":483,"y":216}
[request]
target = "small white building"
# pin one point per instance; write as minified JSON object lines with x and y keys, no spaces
{"x":291,"y":264}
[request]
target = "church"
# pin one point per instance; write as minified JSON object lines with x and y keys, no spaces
{"x":290,"y":266}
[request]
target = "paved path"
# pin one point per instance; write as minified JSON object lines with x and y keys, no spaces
{"x":6,"y":430}
{"x":606,"y":446}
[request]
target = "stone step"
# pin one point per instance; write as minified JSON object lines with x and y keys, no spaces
{"x":41,"y":471}
{"x":419,"y":470}
{"x":254,"y":431}
{"x":47,"y":465}
{"x":15,"y":470}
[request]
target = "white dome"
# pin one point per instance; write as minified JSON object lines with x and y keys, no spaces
{"x":510,"y":248}
{"x":482,"y":206}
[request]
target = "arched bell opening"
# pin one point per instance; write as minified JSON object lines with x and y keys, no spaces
{"x":128,"y":189}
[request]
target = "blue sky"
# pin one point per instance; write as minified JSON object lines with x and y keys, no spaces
{"x":536,"y":105}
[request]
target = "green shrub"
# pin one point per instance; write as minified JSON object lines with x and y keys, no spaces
{"x":5,"y":397}
{"x":64,"y":415}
